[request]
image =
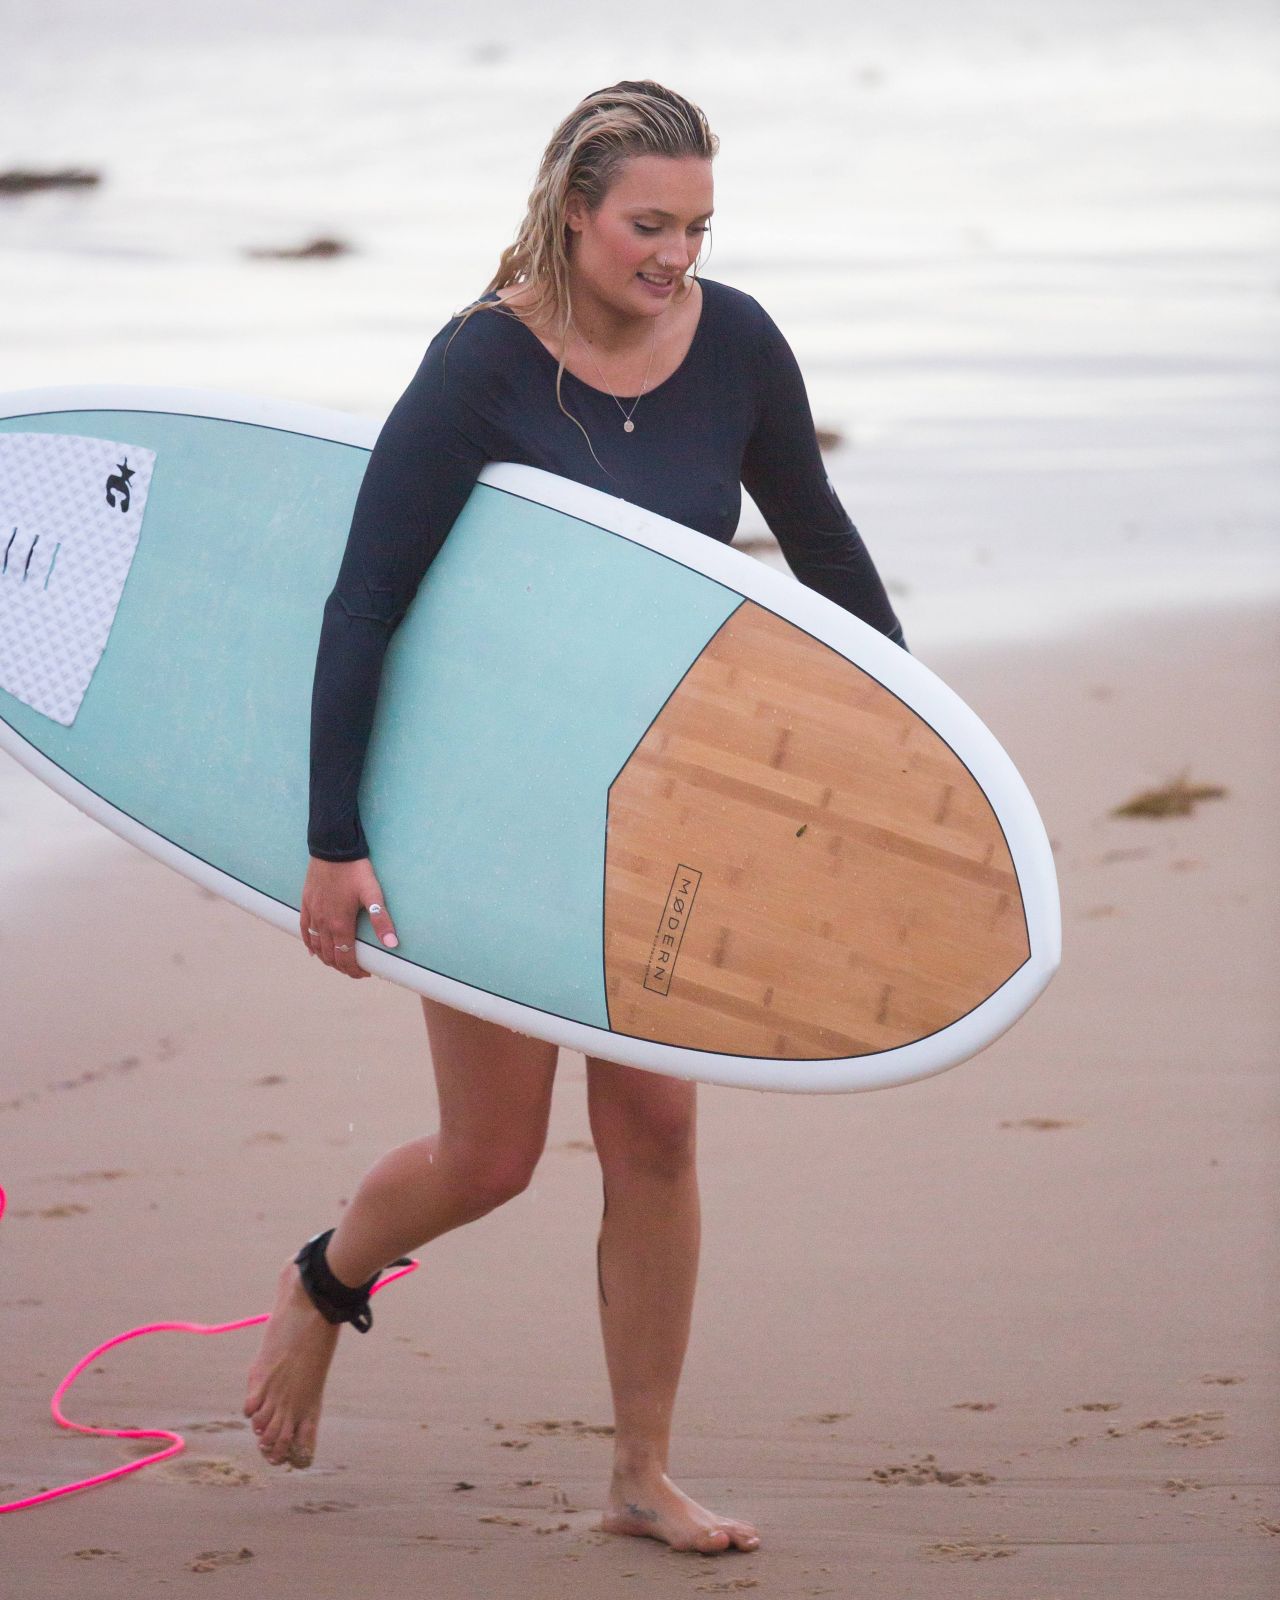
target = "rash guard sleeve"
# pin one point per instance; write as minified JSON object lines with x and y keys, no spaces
{"x":783,"y":472}
{"x":422,"y":469}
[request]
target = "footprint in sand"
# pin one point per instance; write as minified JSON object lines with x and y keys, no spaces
{"x":92,"y":1553}
{"x":927,"y":1470}
{"x":220,"y":1425}
{"x":93,"y":1074}
{"x":314,"y":1507}
{"x":211,"y":1560}
{"x":974,"y":1405}
{"x":66,"y":1210}
{"x":1188,"y":1430}
{"x":1041,"y":1124}
{"x":1095,"y":1405}
{"x":573,"y":1430}
{"x":965,"y":1550}
{"x":219,"y":1474}
{"x":827,"y":1417}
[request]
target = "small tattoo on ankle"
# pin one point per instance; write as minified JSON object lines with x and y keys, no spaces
{"x":642,"y":1513}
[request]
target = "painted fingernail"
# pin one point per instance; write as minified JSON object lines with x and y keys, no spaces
{"x":390,"y":940}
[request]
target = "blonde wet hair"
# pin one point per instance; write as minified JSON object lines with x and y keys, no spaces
{"x":584,"y":157}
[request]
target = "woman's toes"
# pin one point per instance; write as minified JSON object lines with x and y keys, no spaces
{"x":713,"y":1541}
{"x":746,"y":1538}
{"x":303,"y":1448}
{"x":271,"y":1438}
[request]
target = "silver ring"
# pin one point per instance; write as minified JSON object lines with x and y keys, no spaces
{"x":342,"y":947}
{"x":374,"y":909}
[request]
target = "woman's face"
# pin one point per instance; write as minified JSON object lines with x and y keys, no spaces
{"x":635,"y":250}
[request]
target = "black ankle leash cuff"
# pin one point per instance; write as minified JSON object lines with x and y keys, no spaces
{"x":336,"y":1301}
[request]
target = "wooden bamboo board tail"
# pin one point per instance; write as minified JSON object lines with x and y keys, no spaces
{"x":798,"y":865}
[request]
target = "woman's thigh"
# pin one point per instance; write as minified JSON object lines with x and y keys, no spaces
{"x":494,"y":1085}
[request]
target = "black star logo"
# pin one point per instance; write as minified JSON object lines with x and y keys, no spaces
{"x":126,"y":471}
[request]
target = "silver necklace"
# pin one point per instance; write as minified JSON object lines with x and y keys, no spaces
{"x":627,"y":425}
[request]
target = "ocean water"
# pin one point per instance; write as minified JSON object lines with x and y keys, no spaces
{"x":1028,"y":255}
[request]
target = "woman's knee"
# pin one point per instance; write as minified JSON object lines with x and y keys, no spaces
{"x":644,"y":1122}
{"x":486,"y":1177}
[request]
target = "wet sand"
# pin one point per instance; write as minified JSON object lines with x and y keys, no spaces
{"x":1019,"y":1318}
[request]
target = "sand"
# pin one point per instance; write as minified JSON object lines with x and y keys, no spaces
{"x":1008,"y":1331}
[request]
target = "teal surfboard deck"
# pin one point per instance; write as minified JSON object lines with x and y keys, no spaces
{"x":551,"y":631}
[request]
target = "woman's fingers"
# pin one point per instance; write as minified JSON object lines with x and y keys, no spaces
{"x":343,"y":947}
{"x":338,"y":950}
{"x":380,"y":917}
{"x":332,"y":898}
{"x":335,"y":946}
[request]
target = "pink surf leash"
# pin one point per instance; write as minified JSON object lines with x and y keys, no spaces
{"x":177,"y":1443}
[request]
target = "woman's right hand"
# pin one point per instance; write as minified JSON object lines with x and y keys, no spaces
{"x":332,"y":898}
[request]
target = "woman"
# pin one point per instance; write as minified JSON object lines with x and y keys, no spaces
{"x":594,"y":353}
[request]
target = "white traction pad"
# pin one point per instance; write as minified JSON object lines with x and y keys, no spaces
{"x":71,"y":510}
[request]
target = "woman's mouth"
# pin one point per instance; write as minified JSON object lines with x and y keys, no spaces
{"x":657,"y":283}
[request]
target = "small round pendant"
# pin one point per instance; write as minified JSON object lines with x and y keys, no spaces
{"x":628,"y":426}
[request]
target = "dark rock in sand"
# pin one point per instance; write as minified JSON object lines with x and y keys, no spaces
{"x":313,"y":250}
{"x":20,"y":181}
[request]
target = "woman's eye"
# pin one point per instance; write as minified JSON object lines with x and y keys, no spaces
{"x":643,"y":227}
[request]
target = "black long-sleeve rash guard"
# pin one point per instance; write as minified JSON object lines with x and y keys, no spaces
{"x":734,"y":413}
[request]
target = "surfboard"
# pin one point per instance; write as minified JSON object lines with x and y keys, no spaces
{"x":628,"y":790}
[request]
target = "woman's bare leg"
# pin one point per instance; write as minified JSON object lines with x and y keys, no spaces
{"x":495,"y":1098}
{"x":645,"y":1130}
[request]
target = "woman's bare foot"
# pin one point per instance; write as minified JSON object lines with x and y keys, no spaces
{"x":286,"y":1381}
{"x":651,"y":1506}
